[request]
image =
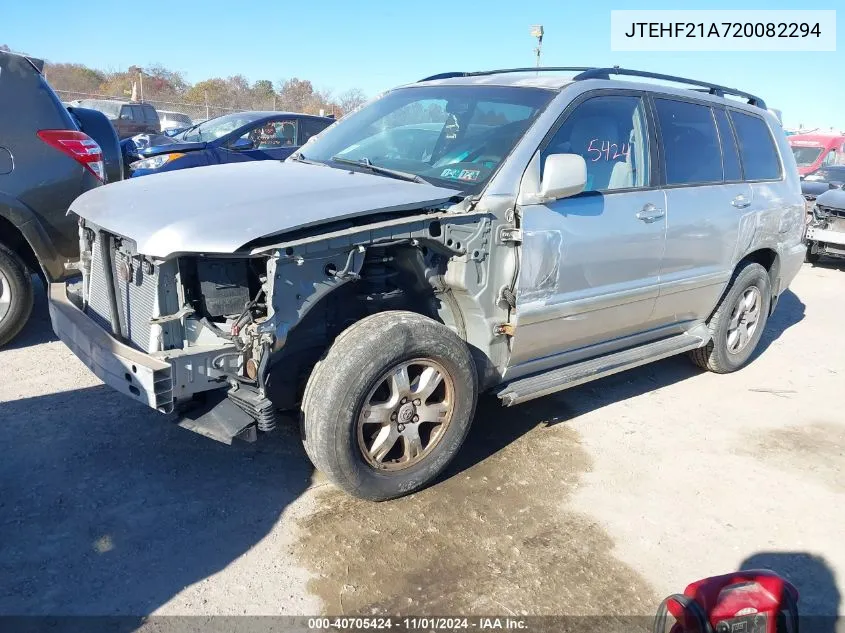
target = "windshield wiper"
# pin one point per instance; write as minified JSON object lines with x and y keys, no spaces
{"x":383,"y":171}
{"x":188,"y":129}
{"x":300,"y":158}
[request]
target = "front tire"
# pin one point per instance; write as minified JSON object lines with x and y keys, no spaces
{"x":389,"y":405}
{"x":738,"y":323}
{"x":812,"y":257}
{"x":16,"y":295}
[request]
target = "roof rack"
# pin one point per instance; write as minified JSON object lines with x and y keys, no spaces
{"x":588,"y":72}
{"x":713,"y":89}
{"x":481,"y":73}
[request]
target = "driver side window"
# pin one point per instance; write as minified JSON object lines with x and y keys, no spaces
{"x":610,"y":134}
{"x":272,"y":135}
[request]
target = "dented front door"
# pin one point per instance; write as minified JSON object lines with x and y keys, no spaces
{"x":589,"y":266}
{"x":589,"y":272}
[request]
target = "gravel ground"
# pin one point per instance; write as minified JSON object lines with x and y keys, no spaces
{"x":600,"y":500}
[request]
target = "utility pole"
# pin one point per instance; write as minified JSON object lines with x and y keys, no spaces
{"x":141,"y":81}
{"x":537,"y":31}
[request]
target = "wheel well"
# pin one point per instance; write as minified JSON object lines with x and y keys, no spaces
{"x":14,"y":239}
{"x":392,"y":278}
{"x":770,"y":260}
{"x":767,"y":258}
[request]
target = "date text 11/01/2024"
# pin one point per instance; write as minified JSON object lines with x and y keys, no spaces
{"x":723,"y":29}
{"x":416,"y":624}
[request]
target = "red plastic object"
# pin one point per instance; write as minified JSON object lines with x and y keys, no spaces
{"x":744,"y":601}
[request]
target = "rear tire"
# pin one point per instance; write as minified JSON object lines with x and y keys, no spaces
{"x":738,"y":323}
{"x":16,"y":295}
{"x":389,"y":405}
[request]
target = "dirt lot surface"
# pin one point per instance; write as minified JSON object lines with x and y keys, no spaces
{"x":600,"y":500}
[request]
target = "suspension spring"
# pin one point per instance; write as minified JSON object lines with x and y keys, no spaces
{"x":378,"y":276}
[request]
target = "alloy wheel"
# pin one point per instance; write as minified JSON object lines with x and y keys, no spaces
{"x":406,"y":414}
{"x":745,"y":319}
{"x":5,"y":295}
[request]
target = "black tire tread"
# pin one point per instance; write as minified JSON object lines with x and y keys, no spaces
{"x":706,"y":357}
{"x":23,"y":296}
{"x":325,"y":389}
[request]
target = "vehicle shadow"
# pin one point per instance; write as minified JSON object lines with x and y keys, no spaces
{"x":789,"y":311}
{"x":830,"y":263}
{"x":108,"y":509}
{"x":819,"y":597}
{"x":38,"y":328}
{"x":494,"y":427}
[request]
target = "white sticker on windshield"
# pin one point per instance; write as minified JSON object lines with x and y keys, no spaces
{"x":469,"y":175}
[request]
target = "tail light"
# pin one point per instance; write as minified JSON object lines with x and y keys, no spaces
{"x":79,"y":146}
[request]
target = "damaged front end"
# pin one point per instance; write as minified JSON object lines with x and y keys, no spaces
{"x":226,"y":341}
{"x":825,"y":233}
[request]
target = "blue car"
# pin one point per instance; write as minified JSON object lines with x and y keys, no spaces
{"x":230,"y":138}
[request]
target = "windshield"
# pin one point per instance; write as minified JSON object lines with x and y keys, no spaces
{"x":222,"y":125}
{"x":174,"y":116}
{"x":110,"y":108}
{"x":828,"y":174}
{"x":806,"y":155}
{"x":454,"y":136}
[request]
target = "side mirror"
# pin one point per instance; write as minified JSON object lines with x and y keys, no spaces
{"x":241,"y":144}
{"x":564,"y":175}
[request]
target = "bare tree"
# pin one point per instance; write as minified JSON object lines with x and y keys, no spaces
{"x":350,"y":100}
{"x":222,"y":94}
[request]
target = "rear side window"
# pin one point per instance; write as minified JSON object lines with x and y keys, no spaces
{"x":691,"y":151}
{"x":730,"y":153}
{"x":756,"y":147}
{"x":149,"y":114}
{"x":312,"y":127}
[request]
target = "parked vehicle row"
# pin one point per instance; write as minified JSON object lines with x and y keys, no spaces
{"x":518,"y":232}
{"x":236,"y":137}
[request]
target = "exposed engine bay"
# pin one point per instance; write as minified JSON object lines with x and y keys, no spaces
{"x":255,"y":323}
{"x":825,"y":231}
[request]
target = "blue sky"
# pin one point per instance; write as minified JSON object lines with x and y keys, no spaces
{"x":374,"y":44}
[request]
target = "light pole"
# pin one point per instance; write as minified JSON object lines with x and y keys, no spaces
{"x":537,"y":31}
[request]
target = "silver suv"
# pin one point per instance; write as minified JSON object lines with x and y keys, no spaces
{"x":515,"y":232}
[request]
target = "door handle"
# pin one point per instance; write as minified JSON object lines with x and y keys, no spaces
{"x":741,"y":202}
{"x":650,"y":213}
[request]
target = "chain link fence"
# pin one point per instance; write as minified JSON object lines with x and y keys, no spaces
{"x":197,"y":111}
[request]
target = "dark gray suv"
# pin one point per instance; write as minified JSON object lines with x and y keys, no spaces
{"x":46,"y":161}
